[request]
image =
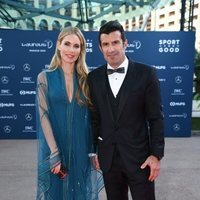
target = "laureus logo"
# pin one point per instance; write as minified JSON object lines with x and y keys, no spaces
{"x":49,"y":44}
{"x":1,"y":45}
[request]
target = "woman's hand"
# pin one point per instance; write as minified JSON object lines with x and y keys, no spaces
{"x":95,"y":162}
{"x":56,"y":169}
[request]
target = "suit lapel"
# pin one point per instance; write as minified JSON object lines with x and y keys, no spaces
{"x":126,"y":87}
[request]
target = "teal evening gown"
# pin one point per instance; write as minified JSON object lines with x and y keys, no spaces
{"x":67,"y":125}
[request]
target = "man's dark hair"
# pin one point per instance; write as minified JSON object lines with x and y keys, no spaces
{"x":112,"y":26}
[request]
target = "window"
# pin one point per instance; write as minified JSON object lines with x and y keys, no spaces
{"x":56,"y":25}
{"x":30,"y":24}
{"x":162,"y":16}
{"x":171,"y":23}
{"x":161,"y":26}
{"x":172,"y":13}
{"x":133,"y":23}
{"x":172,"y":3}
{"x":127,"y":25}
{"x":43,"y":25}
{"x":68,"y":24}
{"x":68,"y":11}
{"x":127,"y":9}
{"x":116,"y":11}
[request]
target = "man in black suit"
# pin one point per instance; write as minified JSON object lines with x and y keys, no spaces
{"x":127,"y":120}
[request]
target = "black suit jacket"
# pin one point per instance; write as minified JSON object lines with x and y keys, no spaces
{"x":138,"y":129}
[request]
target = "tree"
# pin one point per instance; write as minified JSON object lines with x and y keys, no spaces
{"x":197,"y":76}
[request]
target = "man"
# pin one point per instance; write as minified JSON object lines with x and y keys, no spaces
{"x":127,"y":120}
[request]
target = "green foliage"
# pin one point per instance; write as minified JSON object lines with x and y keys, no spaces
{"x":197,"y":58}
{"x":196,"y":95}
{"x":195,"y":123}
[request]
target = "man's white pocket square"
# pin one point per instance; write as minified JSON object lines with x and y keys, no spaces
{"x":100,"y":138}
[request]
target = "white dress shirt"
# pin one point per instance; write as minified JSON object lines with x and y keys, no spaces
{"x":116,"y":79}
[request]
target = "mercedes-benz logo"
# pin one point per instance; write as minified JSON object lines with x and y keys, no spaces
{"x":178,"y":79}
{"x":7,"y":129}
{"x":26,"y":67}
{"x":28,"y":117}
{"x":4,"y":79}
{"x":176,"y":127}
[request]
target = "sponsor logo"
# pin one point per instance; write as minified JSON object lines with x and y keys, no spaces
{"x":26,"y":67}
{"x":160,"y":67}
{"x":27,"y":80}
{"x":89,"y":46}
{"x":5,"y":92}
{"x":27,"y":104}
{"x":27,"y":92}
{"x":183,"y":115}
{"x":173,"y":103}
{"x":162,"y":79}
{"x":11,"y":67}
{"x":178,"y":79}
{"x":13,"y":116}
{"x":7,"y":105}
{"x":178,"y":92}
{"x":183,"y":67}
{"x":4,"y":79}
{"x":169,"y":46}
{"x":38,"y":46}
{"x":133,"y":46}
{"x":176,"y":127}
{"x":28,"y":117}
{"x":28,"y":129}
{"x":7,"y":129}
{"x":1,"y":45}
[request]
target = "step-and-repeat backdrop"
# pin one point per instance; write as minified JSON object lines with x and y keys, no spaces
{"x":23,"y":54}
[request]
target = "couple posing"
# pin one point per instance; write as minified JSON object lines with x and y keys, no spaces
{"x":108,"y":121}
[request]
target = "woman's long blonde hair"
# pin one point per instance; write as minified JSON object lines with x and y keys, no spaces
{"x":80,"y":65}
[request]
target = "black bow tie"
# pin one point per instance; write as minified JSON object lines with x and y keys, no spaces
{"x":118,"y":70}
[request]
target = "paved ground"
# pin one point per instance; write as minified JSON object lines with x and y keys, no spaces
{"x":179,"y":178}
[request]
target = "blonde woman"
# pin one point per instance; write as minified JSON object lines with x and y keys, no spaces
{"x":64,"y":168}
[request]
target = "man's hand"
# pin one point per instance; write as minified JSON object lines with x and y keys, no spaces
{"x":154,"y":165}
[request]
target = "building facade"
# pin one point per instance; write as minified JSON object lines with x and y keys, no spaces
{"x":55,"y":14}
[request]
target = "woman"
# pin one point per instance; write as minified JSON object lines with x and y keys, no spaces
{"x":64,"y":167}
